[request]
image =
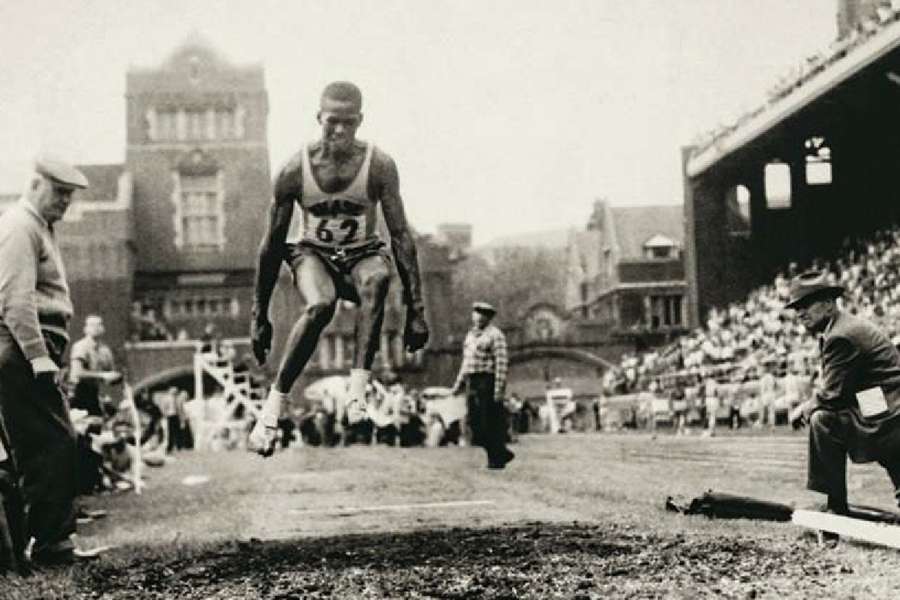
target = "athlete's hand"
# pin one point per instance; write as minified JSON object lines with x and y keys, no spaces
{"x":415,"y":334}
{"x":261,"y":339}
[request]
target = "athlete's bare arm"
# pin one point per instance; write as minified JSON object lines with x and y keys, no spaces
{"x":387,"y":189}
{"x":271,"y":253}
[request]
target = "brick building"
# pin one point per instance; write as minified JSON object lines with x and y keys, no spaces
{"x":626,"y":271}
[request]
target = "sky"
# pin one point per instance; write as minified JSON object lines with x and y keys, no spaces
{"x":511,"y":115}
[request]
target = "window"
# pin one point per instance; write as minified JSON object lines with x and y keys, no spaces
{"x":737,"y":215}
{"x":203,"y":306}
{"x":166,"y":125}
{"x":818,"y":161}
{"x":778,"y":185}
{"x":323,"y":352}
{"x":225,"y":120}
{"x":349,"y":348}
{"x":201,"y":215}
{"x":660,"y":247}
{"x":665,"y":311}
{"x":196,"y":125}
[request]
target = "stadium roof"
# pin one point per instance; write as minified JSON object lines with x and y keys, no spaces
{"x":846,"y":58}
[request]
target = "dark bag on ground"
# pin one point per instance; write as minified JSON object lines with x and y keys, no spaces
{"x":718,"y":505}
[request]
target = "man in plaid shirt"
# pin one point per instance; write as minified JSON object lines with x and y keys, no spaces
{"x":483,"y":376}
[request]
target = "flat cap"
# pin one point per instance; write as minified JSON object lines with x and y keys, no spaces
{"x":60,"y":173}
{"x":484,"y":308}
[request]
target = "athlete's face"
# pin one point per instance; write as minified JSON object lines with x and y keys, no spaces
{"x":339,"y":121}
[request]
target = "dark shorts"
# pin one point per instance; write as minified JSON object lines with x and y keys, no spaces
{"x":339,"y":263}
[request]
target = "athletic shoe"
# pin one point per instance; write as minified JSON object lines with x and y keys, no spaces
{"x":263,"y":438}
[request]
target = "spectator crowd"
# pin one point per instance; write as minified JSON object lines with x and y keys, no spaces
{"x":753,"y":361}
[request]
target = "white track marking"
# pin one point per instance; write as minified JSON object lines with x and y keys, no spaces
{"x":876,"y":533}
{"x":392,"y":507}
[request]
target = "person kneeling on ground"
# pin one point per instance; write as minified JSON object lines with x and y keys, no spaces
{"x":856,"y":411}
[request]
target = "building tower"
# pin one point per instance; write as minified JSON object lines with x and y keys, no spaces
{"x":197,"y":151}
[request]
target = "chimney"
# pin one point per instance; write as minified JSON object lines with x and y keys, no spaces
{"x":595,"y":221}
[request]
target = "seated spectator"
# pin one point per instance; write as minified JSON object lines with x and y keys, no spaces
{"x":209,"y":340}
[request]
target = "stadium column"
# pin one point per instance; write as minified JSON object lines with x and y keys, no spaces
{"x":806,"y":247}
{"x":705,"y":241}
{"x":755,"y":181}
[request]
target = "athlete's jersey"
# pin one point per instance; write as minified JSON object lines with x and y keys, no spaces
{"x":345,"y":219}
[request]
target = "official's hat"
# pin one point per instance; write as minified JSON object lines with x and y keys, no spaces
{"x":60,"y":173}
{"x":812,"y":285}
{"x":484,"y":308}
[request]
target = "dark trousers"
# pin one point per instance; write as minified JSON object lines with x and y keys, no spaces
{"x":830,"y":434}
{"x":13,"y":538}
{"x":174,"y":441}
{"x":42,"y":445}
{"x":486,"y":417}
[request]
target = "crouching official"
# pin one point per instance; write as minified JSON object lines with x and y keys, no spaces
{"x":483,"y":376}
{"x":856,"y":410}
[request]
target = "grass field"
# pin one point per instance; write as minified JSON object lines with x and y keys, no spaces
{"x":574,"y":516}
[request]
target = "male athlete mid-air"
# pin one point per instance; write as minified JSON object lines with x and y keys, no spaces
{"x":337,"y":183}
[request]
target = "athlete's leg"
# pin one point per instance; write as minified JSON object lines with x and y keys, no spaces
{"x":318,"y":293}
{"x":371,"y":278}
{"x":319,"y":298}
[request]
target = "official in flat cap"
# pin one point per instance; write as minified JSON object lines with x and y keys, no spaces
{"x":856,"y":411}
{"x":483,"y":377}
{"x":35,"y":309}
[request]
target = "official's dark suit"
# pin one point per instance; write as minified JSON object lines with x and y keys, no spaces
{"x":856,"y":356}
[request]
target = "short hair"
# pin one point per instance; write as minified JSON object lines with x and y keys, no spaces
{"x":342,"y":91}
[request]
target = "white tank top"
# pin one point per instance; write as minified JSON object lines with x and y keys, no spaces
{"x":344,"y":219}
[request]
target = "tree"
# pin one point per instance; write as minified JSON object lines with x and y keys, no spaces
{"x":513,"y":279}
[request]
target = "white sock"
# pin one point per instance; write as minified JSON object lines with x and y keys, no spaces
{"x":359,"y":379}
{"x":272,"y":407}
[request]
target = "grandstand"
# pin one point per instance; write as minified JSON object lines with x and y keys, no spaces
{"x":803,"y":181}
{"x":801,"y":175}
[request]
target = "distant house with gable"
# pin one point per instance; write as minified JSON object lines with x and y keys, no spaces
{"x":626,"y":270}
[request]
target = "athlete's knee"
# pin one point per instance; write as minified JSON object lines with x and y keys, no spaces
{"x":375,"y":283}
{"x":319,"y":312}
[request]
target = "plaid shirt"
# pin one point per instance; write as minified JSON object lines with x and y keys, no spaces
{"x":484,"y":351}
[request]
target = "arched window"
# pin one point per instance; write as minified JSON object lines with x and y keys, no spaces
{"x":737,"y":202}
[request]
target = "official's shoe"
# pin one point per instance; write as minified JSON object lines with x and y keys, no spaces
{"x":263,"y":438}
{"x":507,"y":458}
